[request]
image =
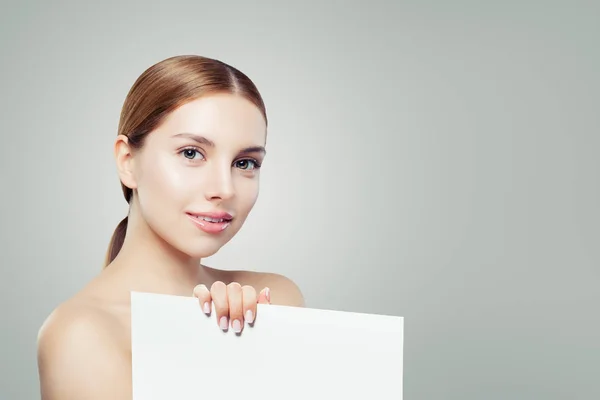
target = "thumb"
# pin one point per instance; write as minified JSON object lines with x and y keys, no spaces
{"x":264,"y":297}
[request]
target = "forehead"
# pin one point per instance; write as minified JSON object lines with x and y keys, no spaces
{"x":226,"y":119}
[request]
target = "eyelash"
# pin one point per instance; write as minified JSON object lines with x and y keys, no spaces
{"x":182,"y":152}
{"x":197,"y":151}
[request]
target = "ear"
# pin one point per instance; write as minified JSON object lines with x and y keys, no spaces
{"x":124,"y":159}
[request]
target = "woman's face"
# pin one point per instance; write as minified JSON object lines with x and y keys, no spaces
{"x":197,"y":175}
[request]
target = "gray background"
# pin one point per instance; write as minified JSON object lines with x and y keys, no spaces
{"x":434,"y":160}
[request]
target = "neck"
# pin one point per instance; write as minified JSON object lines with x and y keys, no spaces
{"x":147,"y":263}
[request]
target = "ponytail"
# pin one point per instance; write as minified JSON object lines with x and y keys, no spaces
{"x":116,"y":242}
{"x":118,"y":237}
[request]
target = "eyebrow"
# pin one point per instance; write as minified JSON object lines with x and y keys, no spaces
{"x":207,"y":142}
{"x":197,"y":138}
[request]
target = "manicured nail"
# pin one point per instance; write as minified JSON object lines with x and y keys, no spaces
{"x":206,"y":308}
{"x":237,"y":326}
{"x":249,"y":316}
{"x":223,"y":323}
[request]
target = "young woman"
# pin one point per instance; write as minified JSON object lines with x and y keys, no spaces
{"x":190,"y":144}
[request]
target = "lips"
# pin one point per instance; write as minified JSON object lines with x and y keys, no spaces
{"x":213,"y":222}
{"x":209,"y":219}
{"x":212,"y":216}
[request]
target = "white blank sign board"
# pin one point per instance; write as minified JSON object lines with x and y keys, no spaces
{"x":179,"y":353}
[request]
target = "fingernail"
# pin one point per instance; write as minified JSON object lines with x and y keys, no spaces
{"x":206,"y":308}
{"x":237,"y":326}
{"x":223,"y":323}
{"x":249,"y":316}
{"x":268,"y":294}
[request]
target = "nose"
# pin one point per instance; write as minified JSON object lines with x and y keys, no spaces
{"x":219,"y":183}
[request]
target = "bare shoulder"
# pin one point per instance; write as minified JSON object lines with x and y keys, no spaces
{"x":284,"y":291}
{"x":80,"y":355}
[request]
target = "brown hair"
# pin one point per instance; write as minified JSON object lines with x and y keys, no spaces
{"x":162,"y":88}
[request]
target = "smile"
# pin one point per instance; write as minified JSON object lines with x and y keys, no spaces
{"x":208,"y":219}
{"x":211,"y":222}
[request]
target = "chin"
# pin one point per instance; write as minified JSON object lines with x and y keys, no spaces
{"x":204,"y":252}
{"x":204,"y":248}
{"x":197,"y":246}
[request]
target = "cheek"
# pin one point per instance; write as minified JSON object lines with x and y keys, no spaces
{"x":163,"y":182}
{"x":247,"y":193}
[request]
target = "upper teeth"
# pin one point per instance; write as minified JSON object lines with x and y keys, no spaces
{"x":212,"y":219}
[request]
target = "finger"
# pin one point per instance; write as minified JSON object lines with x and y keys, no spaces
{"x":249,"y":300}
{"x":264,"y":297}
{"x":204,"y":298}
{"x":218,"y":292}
{"x":234,"y":297}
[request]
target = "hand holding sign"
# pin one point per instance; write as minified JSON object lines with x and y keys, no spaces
{"x":234,"y":303}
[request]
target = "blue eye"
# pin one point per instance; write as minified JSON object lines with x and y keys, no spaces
{"x":247,"y":165}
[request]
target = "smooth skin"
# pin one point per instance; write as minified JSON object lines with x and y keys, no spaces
{"x":84,"y":346}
